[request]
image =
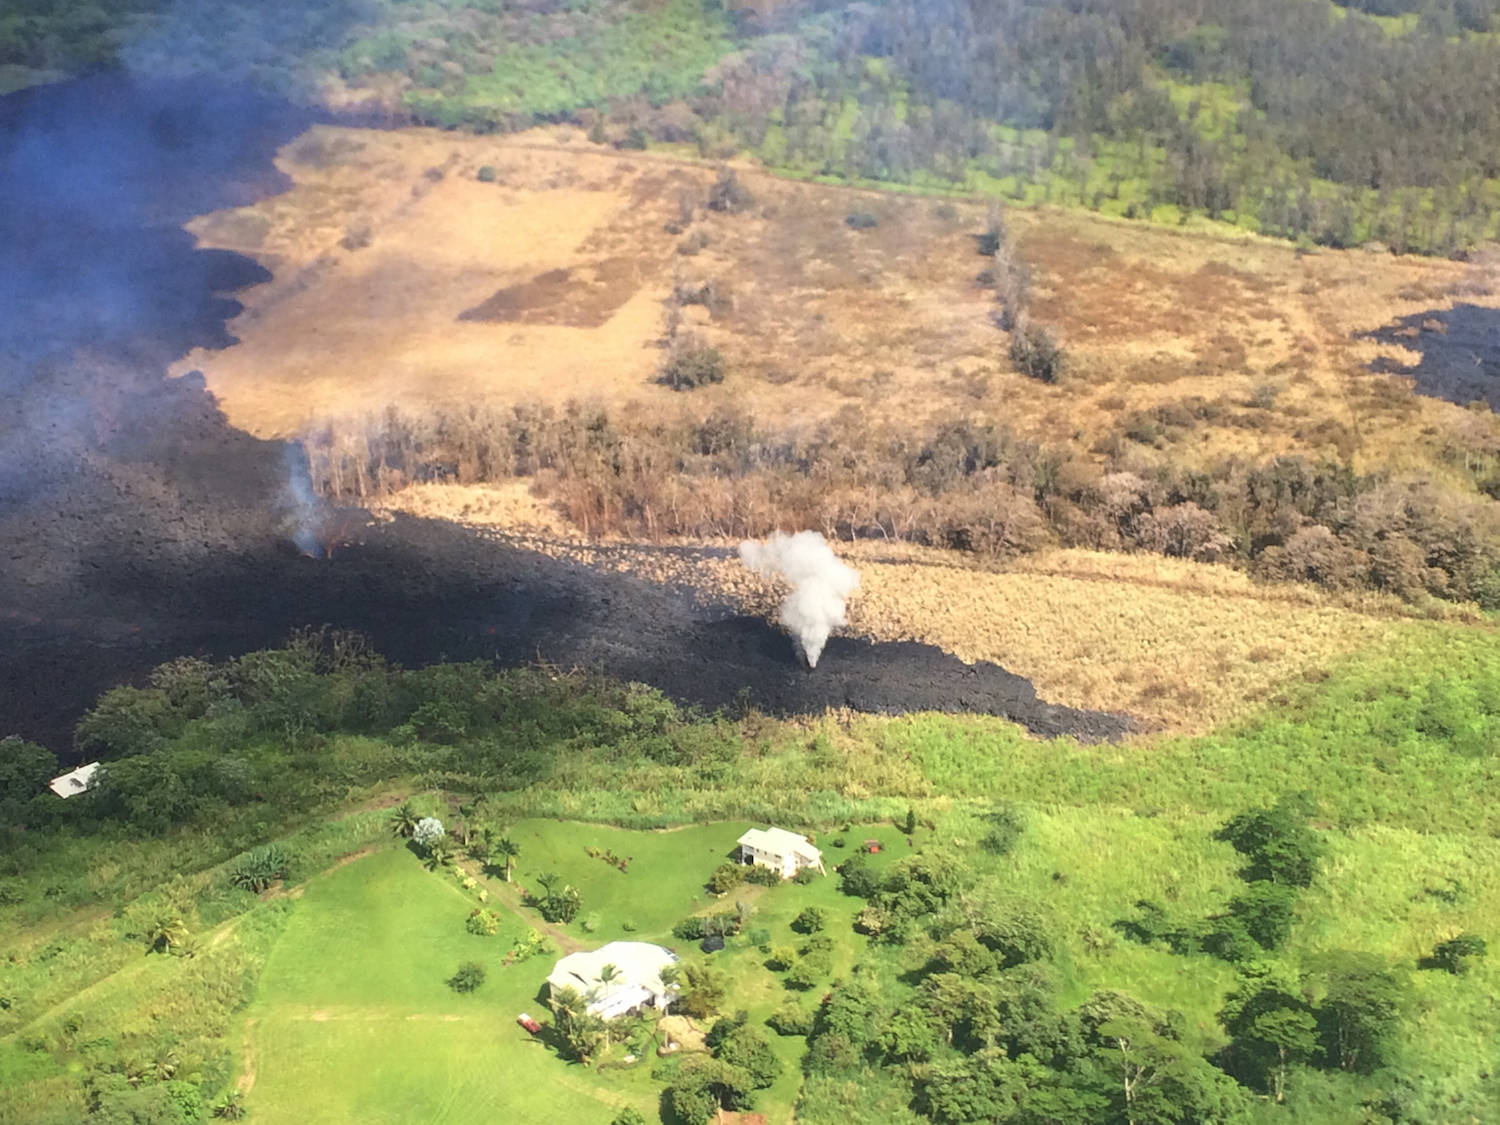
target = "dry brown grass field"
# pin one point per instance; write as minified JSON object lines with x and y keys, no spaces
{"x":403,"y":280}
{"x":1181,"y":646}
{"x":400,"y":279}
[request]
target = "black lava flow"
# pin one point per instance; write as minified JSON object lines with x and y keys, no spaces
{"x":136,"y":525}
{"x":1459,"y":349}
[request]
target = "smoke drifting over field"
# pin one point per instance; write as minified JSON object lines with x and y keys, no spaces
{"x":820,"y":585}
{"x":139,"y":525}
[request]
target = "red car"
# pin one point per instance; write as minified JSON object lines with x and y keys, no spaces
{"x":529,"y":1024}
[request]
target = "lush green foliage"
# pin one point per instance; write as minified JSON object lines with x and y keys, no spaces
{"x":258,"y":869}
{"x":469,"y":977}
{"x":1306,"y":912}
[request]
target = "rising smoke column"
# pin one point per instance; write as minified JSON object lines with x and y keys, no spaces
{"x":820,"y":584}
{"x":300,"y":500}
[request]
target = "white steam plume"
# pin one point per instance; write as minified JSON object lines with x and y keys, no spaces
{"x":820,"y":583}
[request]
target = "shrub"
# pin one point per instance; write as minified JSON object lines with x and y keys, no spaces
{"x":563,"y":906}
{"x":470,"y":976}
{"x":782,"y":957}
{"x":1277,"y":841}
{"x":628,"y":926}
{"x":804,"y":974}
{"x":790,"y":1019}
{"x":1006,"y":826}
{"x":726,"y":877}
{"x":692,"y":363}
{"x":258,"y":869}
{"x":804,"y":876}
{"x":1454,"y":955}
{"x":1036,"y":353}
{"x":861,"y":220}
{"x":728,"y":194}
{"x":628,"y":1116}
{"x":689,"y":929}
{"x":591,"y":922}
{"x":762,"y":876}
{"x":428,"y":831}
{"x":487,"y":174}
{"x":483,"y":923}
{"x":811,"y":920}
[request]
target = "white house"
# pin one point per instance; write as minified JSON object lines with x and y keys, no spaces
{"x":75,"y":782}
{"x":635,"y":983}
{"x":780,"y":850}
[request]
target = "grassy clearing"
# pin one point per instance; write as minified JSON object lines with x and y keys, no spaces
{"x":664,"y":883}
{"x":354,"y":1020}
{"x":1399,"y":767}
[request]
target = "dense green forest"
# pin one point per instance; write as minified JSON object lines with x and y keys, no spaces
{"x":1379,"y":120}
{"x":1283,"y":921}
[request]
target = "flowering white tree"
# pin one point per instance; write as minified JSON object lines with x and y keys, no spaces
{"x":428,"y":829}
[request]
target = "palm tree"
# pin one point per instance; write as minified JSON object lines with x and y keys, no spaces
{"x":439,"y":854}
{"x":608,"y":974}
{"x":508,"y":848}
{"x":549,"y":881}
{"x":165,"y":1064}
{"x":135,"y":1068}
{"x":480,"y":844}
{"x":165,"y":932}
{"x":468,"y":813}
{"x":404,"y":819}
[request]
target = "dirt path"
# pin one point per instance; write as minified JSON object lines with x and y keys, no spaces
{"x":247,"y":1060}
{"x":508,"y":895}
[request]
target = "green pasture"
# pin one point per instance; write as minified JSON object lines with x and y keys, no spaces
{"x":354,"y":1020}
{"x":663,"y":883}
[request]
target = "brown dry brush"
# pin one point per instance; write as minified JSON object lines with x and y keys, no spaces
{"x":964,"y":485}
{"x":1035,"y":349}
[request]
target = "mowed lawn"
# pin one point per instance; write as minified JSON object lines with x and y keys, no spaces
{"x":662,"y":884}
{"x":354,"y":1020}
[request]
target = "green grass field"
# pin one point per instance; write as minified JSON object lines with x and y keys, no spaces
{"x":327,"y":998}
{"x":353,"y":1019}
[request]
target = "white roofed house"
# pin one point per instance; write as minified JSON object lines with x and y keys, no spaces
{"x":74,"y":782}
{"x":779,"y":850}
{"x":633,"y":969}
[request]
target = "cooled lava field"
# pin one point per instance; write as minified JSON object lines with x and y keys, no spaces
{"x":136,"y":525}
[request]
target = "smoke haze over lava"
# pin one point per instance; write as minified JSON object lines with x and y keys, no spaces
{"x":139,"y":526}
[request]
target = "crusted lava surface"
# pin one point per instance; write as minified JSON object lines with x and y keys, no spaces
{"x":1460,"y":350}
{"x":137,"y":525}
{"x":425,"y":590}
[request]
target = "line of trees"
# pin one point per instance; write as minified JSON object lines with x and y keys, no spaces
{"x":1317,"y":123}
{"x":967,"y":485}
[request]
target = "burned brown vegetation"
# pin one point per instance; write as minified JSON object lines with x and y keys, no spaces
{"x":970,"y":486}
